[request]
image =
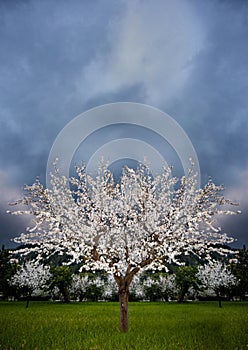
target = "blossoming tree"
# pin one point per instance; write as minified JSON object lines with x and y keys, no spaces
{"x":140,"y":222}
{"x":159,"y":286}
{"x":84,"y":286}
{"x":215,"y":278}
{"x":31,"y":277}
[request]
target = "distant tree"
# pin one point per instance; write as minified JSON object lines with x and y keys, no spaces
{"x":239,"y":267}
{"x":61,"y":279}
{"x":185,"y":279}
{"x":152,"y":290}
{"x":8,"y":267}
{"x":79,"y":286}
{"x":142,"y":222}
{"x":95,"y":289}
{"x":30,"y":278}
{"x":136,"y":288}
{"x":167,"y":283}
{"x":110,"y":290}
{"x":87,"y":286}
{"x":159,"y":286}
{"x":216,"y":279}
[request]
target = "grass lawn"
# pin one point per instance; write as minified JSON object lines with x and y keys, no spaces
{"x":158,"y":326}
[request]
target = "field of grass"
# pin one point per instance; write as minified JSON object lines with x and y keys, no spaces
{"x":161,"y":326}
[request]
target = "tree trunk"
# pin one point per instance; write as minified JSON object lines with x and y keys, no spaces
{"x":66,"y":295}
{"x":123,"y":298}
{"x":123,"y":288}
{"x":28,"y":298}
{"x":181,"y":296}
{"x":218,"y":294}
{"x":27,"y":302}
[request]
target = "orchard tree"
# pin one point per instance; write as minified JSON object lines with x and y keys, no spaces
{"x":185,"y":280}
{"x":8,"y":267}
{"x":31,"y":278}
{"x":168,"y":285}
{"x":159,"y":286}
{"x":216,"y":279}
{"x":61,"y":279}
{"x":110,"y":290}
{"x":87,"y":286}
{"x":141,"y":222}
{"x":136,"y":289}
{"x":239,"y":268}
{"x":79,"y":286}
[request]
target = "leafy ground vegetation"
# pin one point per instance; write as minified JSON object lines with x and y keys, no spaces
{"x":162,"y":326}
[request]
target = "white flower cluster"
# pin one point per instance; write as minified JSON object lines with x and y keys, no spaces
{"x":80,"y":284}
{"x":140,"y":222}
{"x":31,"y":276}
{"x":214,"y":277}
{"x":166,"y":283}
{"x":110,"y":287}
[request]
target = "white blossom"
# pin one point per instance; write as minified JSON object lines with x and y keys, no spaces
{"x":141,"y":222}
{"x":31,"y":276}
{"x":81,"y":283}
{"x":214,"y":277}
{"x":110,"y":287}
{"x":137,"y":287}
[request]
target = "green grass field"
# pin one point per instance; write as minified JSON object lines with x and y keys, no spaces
{"x":151,"y":326}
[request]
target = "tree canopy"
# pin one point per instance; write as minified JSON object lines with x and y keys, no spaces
{"x":140,"y":222}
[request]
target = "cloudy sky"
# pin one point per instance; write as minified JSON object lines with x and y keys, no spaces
{"x":188,"y":58}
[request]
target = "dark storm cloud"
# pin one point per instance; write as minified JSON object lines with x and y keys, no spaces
{"x":43,"y":49}
{"x":11,"y":227}
{"x":214,"y":106}
{"x":188,"y":58}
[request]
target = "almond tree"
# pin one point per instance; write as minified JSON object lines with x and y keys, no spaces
{"x":162,"y":285}
{"x":79,"y":286}
{"x":86,"y":286}
{"x":110,"y":289}
{"x":215,"y":278}
{"x":138,"y":223}
{"x":31,"y":277}
{"x":136,"y":288}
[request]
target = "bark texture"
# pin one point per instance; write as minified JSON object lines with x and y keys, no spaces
{"x":123,"y":298}
{"x":123,"y":287}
